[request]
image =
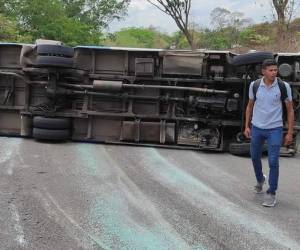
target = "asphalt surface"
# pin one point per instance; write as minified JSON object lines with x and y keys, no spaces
{"x":93,"y":196}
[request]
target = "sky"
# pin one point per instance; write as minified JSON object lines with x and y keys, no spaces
{"x":143,"y":14}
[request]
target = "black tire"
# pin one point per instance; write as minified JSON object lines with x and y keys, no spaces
{"x":50,"y":134}
{"x":243,"y":148}
{"x":252,"y":58}
{"x":236,"y":148}
{"x":54,"y":61}
{"x":59,"y":50}
{"x":51,"y":122}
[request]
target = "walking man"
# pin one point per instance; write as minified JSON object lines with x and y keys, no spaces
{"x":268,"y":97}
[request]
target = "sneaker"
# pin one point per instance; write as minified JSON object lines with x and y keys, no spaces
{"x":269,"y":200}
{"x":259,"y":186}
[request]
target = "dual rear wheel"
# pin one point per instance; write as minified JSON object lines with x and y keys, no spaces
{"x":51,"y":128}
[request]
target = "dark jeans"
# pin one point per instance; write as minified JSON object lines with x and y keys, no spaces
{"x":274,"y":140}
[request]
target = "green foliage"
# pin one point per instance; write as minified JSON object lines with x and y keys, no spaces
{"x":96,"y":13}
{"x":295,"y":25}
{"x":47,"y":19}
{"x":82,"y":22}
{"x":70,"y":21}
{"x":228,"y":27}
{"x":178,"y":39}
{"x":268,"y":29}
{"x":217,"y":40}
{"x":138,"y":37}
{"x":9,"y":31}
{"x":250,"y":37}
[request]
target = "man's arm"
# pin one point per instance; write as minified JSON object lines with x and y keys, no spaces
{"x":249,"y":111}
{"x":290,"y":119}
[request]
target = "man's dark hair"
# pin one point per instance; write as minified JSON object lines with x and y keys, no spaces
{"x":268,"y":62}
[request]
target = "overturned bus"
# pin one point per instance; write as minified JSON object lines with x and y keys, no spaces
{"x":168,"y":98}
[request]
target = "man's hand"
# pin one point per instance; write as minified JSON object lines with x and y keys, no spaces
{"x":288,"y":139}
{"x":247,"y":132}
{"x":249,"y":109}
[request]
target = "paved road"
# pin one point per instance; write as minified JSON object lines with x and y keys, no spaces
{"x":92,"y":196}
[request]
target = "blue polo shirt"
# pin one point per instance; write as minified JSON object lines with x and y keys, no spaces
{"x":267,"y":110}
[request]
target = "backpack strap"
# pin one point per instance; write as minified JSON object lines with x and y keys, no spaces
{"x":283,"y":93}
{"x":283,"y":90}
{"x":255,"y":87}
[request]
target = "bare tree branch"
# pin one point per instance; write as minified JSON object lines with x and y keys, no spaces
{"x":281,"y":7}
{"x":290,"y":12}
{"x":158,"y":6}
{"x":179,"y":11}
{"x":285,"y":10}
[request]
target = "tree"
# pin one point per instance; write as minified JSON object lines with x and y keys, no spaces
{"x":220,"y":17}
{"x":179,"y":10}
{"x":223,"y":18}
{"x":9,"y":31}
{"x":98,"y":13}
{"x":285,"y":10}
{"x":47,"y":19}
{"x":228,"y":26}
{"x":71,"y":21}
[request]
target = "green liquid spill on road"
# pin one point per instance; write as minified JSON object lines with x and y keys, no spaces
{"x":174,"y":176}
{"x":89,"y":159}
{"x":120,"y":232}
{"x":8,"y":148}
{"x":110,"y":217}
{"x":194,"y":189}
